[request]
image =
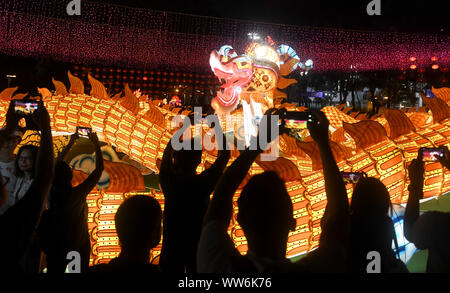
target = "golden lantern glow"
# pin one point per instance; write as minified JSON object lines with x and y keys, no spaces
{"x":383,"y":148}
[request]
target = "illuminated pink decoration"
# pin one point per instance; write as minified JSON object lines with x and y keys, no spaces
{"x":235,"y":76}
{"x":122,"y":36}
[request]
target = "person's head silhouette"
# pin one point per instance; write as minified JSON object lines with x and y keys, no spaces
{"x":187,"y":160}
{"x":138,"y":225}
{"x":63,"y":175}
{"x":370,"y":197}
{"x":371,"y":227}
{"x":62,"y":183}
{"x":266,"y":215}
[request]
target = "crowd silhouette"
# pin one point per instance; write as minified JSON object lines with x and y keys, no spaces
{"x":43,"y":217}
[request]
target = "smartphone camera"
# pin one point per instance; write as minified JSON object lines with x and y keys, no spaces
{"x":352,"y":177}
{"x":296,"y":120}
{"x":83,"y":131}
{"x":25,"y":107}
{"x":432,"y":154}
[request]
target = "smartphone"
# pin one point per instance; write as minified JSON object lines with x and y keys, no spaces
{"x":25,"y":107}
{"x":352,"y":177}
{"x":83,"y":131}
{"x":296,"y":120}
{"x":432,"y":154}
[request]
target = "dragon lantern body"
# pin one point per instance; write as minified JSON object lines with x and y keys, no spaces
{"x":382,"y":148}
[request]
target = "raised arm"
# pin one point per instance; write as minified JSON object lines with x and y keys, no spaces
{"x":67,"y":148}
{"x":166,"y":162}
{"x":11,"y":122}
{"x":337,"y":201}
{"x":215,"y":171}
{"x":93,"y":178}
{"x":221,"y":205}
{"x":415,"y":188}
{"x":19,"y":222}
{"x":45,"y":158}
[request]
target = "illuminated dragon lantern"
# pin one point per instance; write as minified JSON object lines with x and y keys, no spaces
{"x":381,"y":147}
{"x":255,"y":76}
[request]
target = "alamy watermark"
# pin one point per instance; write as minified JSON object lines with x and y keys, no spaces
{"x":181,"y":140}
{"x":374,"y":7}
{"x":74,"y":7}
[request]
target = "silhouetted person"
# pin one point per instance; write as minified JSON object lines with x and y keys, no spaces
{"x":138,"y":225}
{"x":10,"y":137}
{"x":25,"y":172}
{"x":186,"y":195}
{"x":331,"y":255}
{"x":19,"y":222}
{"x":371,"y":228}
{"x":265,"y":215}
{"x":431,"y":230}
{"x":64,"y":226}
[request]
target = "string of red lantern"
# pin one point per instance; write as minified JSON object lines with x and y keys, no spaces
{"x":121,"y":36}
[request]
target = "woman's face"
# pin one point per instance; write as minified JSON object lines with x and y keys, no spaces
{"x":26,"y":161}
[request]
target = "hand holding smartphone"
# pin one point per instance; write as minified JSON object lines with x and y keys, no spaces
{"x":296,"y":120}
{"x":83,"y":131}
{"x":25,"y":107}
{"x":432,"y":154}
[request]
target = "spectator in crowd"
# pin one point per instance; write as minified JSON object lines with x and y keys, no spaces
{"x":64,"y":226}
{"x":331,"y":255}
{"x":371,"y":228}
{"x":138,"y":225}
{"x":431,"y":229}
{"x":25,"y":172}
{"x":265,"y":214}
{"x":10,"y":137}
{"x":18,"y":223}
{"x":186,"y":196}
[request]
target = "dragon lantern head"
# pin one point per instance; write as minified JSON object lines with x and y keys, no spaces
{"x":234,"y":73}
{"x":252,"y":76}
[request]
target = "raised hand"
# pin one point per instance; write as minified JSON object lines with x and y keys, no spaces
{"x":445,"y":161}
{"x":12,"y":118}
{"x":41,"y":117}
{"x":318,"y":128}
{"x":415,"y":171}
{"x":93,"y":137}
{"x":269,"y":119}
{"x":74,"y":137}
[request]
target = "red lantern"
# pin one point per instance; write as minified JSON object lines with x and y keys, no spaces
{"x":435,"y":66}
{"x":412,"y":59}
{"x":434,"y":58}
{"x":413,"y":66}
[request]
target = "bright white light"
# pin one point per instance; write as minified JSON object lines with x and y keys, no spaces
{"x":309,"y":63}
{"x":253,"y":36}
{"x":261,"y":52}
{"x":11,"y":76}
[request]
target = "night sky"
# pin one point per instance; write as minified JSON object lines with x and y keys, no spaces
{"x":396,"y":15}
